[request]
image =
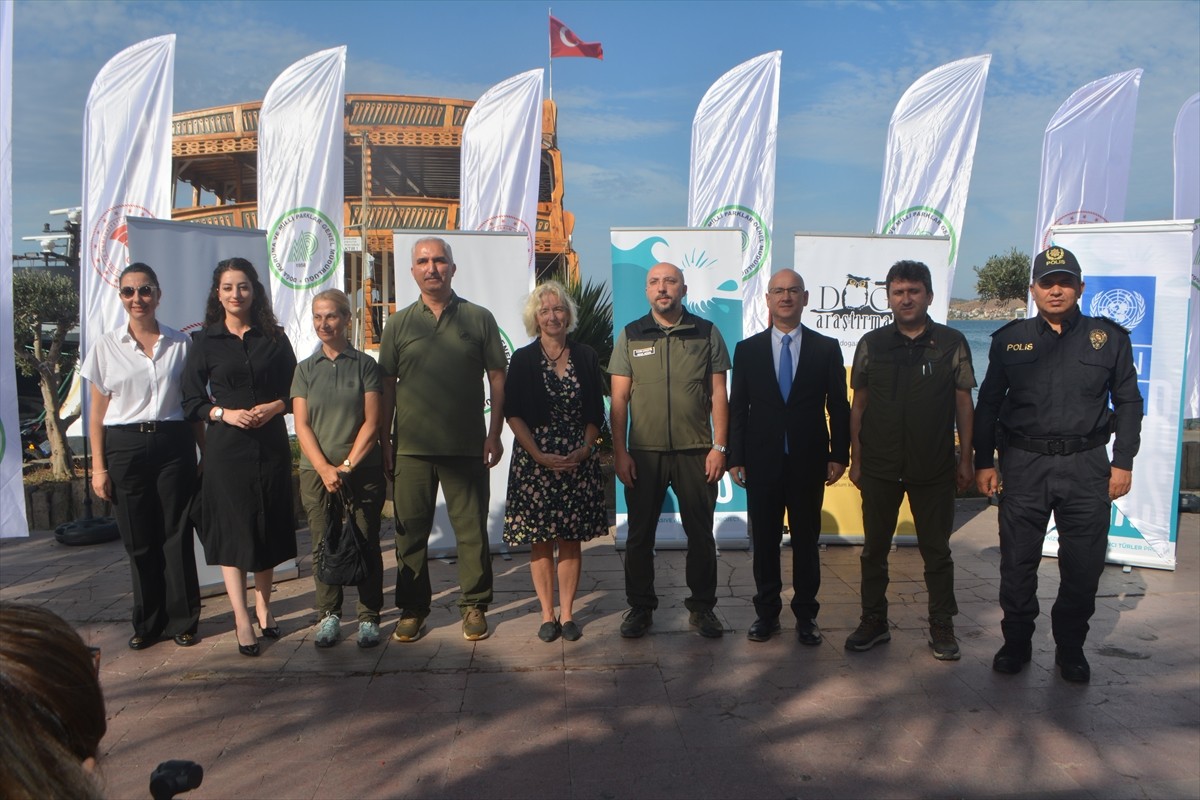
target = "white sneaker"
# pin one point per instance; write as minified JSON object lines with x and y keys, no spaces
{"x":328,"y":631}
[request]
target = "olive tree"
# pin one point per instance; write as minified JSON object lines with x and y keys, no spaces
{"x":45,"y":303}
{"x":1004,"y":277}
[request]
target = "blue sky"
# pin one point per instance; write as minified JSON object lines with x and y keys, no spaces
{"x":625,"y":123}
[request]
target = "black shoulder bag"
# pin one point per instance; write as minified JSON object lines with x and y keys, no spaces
{"x":342,"y":559}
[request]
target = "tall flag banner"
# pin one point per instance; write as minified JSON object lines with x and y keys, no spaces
{"x":930,"y":153}
{"x":301,"y":140}
{"x":1187,"y":206}
{"x":565,"y":44}
{"x":1085,"y":156}
{"x":126,"y":171}
{"x":732,"y":181}
{"x":502,"y":160}
{"x":12,"y":487}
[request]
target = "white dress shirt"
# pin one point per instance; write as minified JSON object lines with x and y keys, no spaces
{"x":141,"y":386}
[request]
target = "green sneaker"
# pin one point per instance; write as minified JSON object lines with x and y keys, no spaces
{"x":409,"y":628}
{"x":475,"y":625}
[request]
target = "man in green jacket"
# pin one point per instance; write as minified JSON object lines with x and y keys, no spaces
{"x":668,"y":380}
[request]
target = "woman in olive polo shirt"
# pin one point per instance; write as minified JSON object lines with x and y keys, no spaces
{"x":336,"y":404}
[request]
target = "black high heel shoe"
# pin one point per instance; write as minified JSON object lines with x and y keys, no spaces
{"x":250,"y":650}
{"x":269,"y":633}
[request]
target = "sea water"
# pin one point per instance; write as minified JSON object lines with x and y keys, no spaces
{"x":978,"y":333}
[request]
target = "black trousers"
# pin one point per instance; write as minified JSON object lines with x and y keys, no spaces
{"x":801,"y":492}
{"x":1075,"y":488}
{"x":153,"y":475}
{"x":932,"y":507}
{"x":683,"y":471}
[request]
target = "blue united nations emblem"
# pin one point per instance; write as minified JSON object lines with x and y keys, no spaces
{"x":1124,"y":307}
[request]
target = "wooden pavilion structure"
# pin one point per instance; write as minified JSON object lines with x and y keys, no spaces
{"x":402,"y":159}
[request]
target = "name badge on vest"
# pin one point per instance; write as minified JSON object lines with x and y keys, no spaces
{"x":642,"y":352}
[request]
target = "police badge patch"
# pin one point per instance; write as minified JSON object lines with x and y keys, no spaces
{"x":1098,"y":338}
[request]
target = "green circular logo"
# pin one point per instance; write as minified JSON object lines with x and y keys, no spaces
{"x":508,"y":351}
{"x":304,"y":247}
{"x":923,"y":221}
{"x":756,"y":239}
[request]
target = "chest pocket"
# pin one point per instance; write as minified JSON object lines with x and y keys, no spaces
{"x":647,"y":361}
{"x":1095,"y":369}
{"x":1021,"y":366}
{"x":690,"y":360}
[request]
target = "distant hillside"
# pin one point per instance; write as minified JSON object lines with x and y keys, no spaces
{"x":978,"y":309}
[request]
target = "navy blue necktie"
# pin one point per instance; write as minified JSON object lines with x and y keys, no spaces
{"x":785,"y":374}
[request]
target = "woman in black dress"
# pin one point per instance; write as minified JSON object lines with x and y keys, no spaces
{"x":554,"y":402}
{"x":238,"y":380}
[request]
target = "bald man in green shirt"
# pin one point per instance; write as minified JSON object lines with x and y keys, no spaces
{"x":433,"y":354}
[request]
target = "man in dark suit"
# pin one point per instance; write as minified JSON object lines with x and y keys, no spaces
{"x":785,"y":379}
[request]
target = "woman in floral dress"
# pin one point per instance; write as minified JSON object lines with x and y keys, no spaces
{"x":554,"y":403}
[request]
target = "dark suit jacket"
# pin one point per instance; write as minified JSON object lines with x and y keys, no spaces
{"x":758,"y":416}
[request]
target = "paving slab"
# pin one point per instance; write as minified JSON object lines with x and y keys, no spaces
{"x":671,"y":715}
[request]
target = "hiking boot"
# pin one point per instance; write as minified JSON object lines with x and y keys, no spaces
{"x":368,"y":633}
{"x":941,"y":639}
{"x":637,"y":621}
{"x":409,"y":628}
{"x":475,"y":625}
{"x":707,"y":624}
{"x":328,"y":631}
{"x":872,"y":630}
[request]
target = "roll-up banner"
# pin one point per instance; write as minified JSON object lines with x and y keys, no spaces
{"x":1139,"y":274}
{"x":184,"y":255}
{"x":847,"y":298}
{"x":711,"y":261}
{"x":492,"y":271}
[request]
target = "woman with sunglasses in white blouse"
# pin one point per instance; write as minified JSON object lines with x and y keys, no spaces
{"x":144,"y":459}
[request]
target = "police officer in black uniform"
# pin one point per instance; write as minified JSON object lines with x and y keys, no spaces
{"x":1045,"y":403}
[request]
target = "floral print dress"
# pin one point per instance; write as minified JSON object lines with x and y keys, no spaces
{"x":542,"y":504}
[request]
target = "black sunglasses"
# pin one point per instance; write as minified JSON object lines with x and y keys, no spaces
{"x":145,"y":291}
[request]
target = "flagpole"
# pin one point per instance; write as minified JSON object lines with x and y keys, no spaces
{"x":550,"y":54}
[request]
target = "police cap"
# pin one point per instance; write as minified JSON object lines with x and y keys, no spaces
{"x":1055,"y":259}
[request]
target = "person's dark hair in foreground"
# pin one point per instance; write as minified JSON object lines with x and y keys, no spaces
{"x":51,"y":708}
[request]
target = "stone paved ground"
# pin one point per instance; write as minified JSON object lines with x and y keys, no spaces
{"x":671,"y":715}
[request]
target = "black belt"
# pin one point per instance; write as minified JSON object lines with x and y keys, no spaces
{"x":147,"y":427}
{"x":1058,"y":447}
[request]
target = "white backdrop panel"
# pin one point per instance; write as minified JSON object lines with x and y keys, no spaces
{"x":492,"y":272}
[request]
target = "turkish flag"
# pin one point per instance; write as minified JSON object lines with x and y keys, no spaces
{"x":565,"y":44}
